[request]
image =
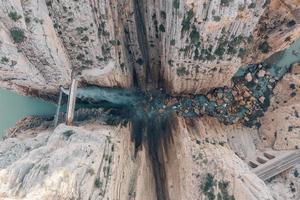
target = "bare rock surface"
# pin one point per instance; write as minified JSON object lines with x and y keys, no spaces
{"x":184,"y":46}
{"x":95,"y":161}
{"x":280,"y":125}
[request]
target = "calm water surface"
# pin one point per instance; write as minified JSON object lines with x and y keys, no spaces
{"x":14,"y":107}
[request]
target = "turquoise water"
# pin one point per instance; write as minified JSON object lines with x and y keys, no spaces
{"x":14,"y":107}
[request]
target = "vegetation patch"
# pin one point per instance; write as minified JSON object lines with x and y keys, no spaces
{"x":182,"y":71}
{"x":17,"y":34}
{"x":225,"y":2}
{"x":221,"y":49}
{"x":68,"y":133}
{"x":115,"y":42}
{"x":264,"y":47}
{"x":4,"y":60}
{"x":186,"y":22}
{"x":14,"y":16}
{"x":140,"y":61}
{"x":102,"y":31}
{"x":216,"y":18}
{"x":224,"y":195}
{"x":98,"y":183}
{"x":208,"y":186}
{"x":194,"y":36}
{"x":81,"y":30}
{"x":267,"y":2}
{"x":163,"y":14}
{"x":242,"y":53}
{"x":172,"y":42}
{"x":162,"y":28}
{"x":176,"y":4}
{"x":291,"y":23}
{"x":252,"y":5}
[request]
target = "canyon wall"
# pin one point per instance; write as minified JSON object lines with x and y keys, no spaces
{"x":95,"y":161}
{"x":183,"y":46}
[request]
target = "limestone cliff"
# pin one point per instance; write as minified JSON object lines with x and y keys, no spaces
{"x":97,"y":162}
{"x":179,"y":45}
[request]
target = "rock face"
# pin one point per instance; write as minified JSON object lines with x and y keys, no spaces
{"x":280,"y":125}
{"x":184,"y":46}
{"x":180,"y":45}
{"x":97,"y":162}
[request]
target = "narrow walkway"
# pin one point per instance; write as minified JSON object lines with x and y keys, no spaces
{"x":71,"y":101}
{"x":269,"y":165}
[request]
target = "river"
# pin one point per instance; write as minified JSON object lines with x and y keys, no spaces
{"x":14,"y":107}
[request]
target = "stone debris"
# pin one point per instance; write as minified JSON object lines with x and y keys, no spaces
{"x":262,"y":99}
{"x":261,"y":73}
{"x":248,"y":77}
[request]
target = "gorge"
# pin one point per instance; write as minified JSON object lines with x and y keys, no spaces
{"x":176,"y":98}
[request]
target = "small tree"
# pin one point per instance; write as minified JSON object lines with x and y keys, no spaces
{"x":17,"y":34}
{"x":14,"y":16}
{"x":264,"y":47}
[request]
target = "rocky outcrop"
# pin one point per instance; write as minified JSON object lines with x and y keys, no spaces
{"x":280,"y":125}
{"x":95,"y":161}
{"x":31,"y":54}
{"x":277,"y":28}
{"x":91,"y":162}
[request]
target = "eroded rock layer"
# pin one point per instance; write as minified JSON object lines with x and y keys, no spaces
{"x":183,"y":46}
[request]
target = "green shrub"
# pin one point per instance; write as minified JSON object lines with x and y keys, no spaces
{"x":115,"y":42}
{"x":163,"y":14}
{"x":14,"y":16}
{"x":252,"y":5}
{"x":176,"y":4}
{"x":223,"y":186}
{"x":68,"y":133}
{"x":17,"y":34}
{"x":162,"y":28}
{"x":181,"y":71}
{"x":98,"y":183}
{"x":208,"y":186}
{"x":4,"y":60}
{"x":217,"y":18}
{"x":267,"y":2}
{"x":194,"y":36}
{"x":172,"y":42}
{"x":264,"y":47}
{"x":225,"y":2}
{"x":241,"y":7}
{"x":231,"y":50}
{"x":80,"y":30}
{"x":242,"y":52}
{"x":186,"y":22}
{"x":220,"y":50}
{"x":291,"y":23}
{"x":140,"y":61}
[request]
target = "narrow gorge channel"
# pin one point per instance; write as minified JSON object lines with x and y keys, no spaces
{"x":151,"y":112}
{"x":176,"y":100}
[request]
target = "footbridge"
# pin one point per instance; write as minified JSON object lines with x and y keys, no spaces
{"x":71,"y":102}
{"x":270,"y":164}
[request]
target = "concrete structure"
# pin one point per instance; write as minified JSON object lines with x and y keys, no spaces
{"x":71,"y":101}
{"x":267,"y":165}
{"x":56,"y":118}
